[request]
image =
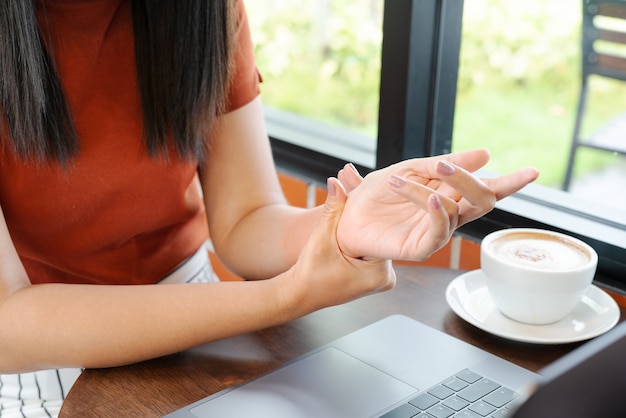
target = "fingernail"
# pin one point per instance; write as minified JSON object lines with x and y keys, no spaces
{"x":397,"y":181}
{"x":435,"y":201}
{"x":353,"y":168}
{"x":331,"y":188}
{"x":445,"y":168}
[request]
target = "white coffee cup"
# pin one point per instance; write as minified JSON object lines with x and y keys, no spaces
{"x":536,"y":276}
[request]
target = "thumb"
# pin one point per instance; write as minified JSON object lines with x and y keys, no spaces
{"x":349,"y":177}
{"x":333,"y":208}
{"x":325,"y":230}
{"x":335,"y":202}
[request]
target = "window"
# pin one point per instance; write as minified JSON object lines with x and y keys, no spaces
{"x":518,"y":92}
{"x":306,"y":141}
{"x":320,"y":60}
{"x":429,"y":45}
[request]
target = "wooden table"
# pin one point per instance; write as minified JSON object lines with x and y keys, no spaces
{"x":157,"y":387}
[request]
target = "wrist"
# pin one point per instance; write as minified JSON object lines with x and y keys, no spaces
{"x":289,"y":298}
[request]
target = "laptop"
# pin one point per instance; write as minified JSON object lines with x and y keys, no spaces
{"x":399,"y":368}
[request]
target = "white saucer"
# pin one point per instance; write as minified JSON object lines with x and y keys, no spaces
{"x":469,"y":298}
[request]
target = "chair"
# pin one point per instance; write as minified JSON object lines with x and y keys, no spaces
{"x":612,"y":136}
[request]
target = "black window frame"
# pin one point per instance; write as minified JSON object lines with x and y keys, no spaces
{"x":419,"y":69}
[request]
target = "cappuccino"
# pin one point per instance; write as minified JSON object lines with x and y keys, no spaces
{"x":536,"y":276}
{"x":541,"y":251}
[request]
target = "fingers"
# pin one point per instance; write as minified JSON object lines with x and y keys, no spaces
{"x":427,"y":167}
{"x":413,"y":191}
{"x":508,"y":184}
{"x":464,"y":163}
{"x":443,"y":221}
{"x":442,"y":212}
{"x":479,"y":196}
{"x":470,"y":188}
{"x":349,"y":177}
{"x":469,"y":160}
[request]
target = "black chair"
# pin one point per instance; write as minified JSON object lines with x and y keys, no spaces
{"x":612,"y":136}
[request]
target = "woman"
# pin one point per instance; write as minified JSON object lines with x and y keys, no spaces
{"x":130,"y":126}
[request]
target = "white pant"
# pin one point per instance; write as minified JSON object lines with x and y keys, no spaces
{"x":41,"y":394}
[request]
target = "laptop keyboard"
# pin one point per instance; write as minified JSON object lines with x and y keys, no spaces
{"x":463,"y":395}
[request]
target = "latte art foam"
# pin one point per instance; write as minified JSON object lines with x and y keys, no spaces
{"x":544,"y":252}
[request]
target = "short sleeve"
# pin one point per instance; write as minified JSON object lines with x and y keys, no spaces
{"x":246,"y":80}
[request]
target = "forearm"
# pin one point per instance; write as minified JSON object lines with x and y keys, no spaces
{"x":58,"y":325}
{"x":253,"y":230}
{"x":267,"y":241}
{"x":65,"y":325}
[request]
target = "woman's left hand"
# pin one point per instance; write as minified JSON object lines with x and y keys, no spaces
{"x":410,"y":209}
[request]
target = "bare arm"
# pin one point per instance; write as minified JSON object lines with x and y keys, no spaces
{"x":58,"y":325}
{"x":253,"y":229}
{"x":61,"y":325}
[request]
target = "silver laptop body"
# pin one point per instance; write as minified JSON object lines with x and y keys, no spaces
{"x":363,"y":374}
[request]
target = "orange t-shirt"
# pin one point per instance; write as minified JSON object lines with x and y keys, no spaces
{"x":115,"y":215}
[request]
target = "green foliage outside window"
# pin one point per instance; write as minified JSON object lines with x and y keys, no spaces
{"x":518,"y":79}
{"x":320,"y":58}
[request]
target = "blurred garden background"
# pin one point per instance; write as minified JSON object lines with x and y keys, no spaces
{"x":518,"y":84}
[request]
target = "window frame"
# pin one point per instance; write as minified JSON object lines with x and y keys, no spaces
{"x":420,"y":60}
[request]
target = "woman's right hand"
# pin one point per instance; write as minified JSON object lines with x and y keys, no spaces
{"x":323,"y":275}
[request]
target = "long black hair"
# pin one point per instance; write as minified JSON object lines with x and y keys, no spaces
{"x":183,"y":53}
